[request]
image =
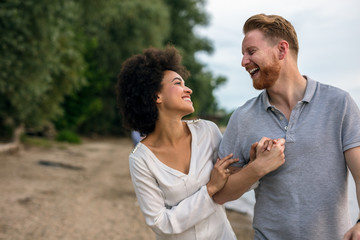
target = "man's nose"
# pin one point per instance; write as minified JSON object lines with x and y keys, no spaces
{"x":245,"y":60}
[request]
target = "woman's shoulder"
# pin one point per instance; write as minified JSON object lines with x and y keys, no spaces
{"x":193,"y":121}
{"x":204,"y":128}
{"x":201,"y":123}
{"x":139,"y":152}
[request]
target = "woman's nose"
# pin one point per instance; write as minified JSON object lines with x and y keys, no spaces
{"x":188,"y":90}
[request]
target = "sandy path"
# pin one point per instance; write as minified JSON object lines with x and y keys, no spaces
{"x":87,"y":195}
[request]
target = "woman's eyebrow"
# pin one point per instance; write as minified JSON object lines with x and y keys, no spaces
{"x":177,"y":78}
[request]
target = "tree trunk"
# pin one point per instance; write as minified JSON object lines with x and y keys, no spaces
{"x":15,"y":145}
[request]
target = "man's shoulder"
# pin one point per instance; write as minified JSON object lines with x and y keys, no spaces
{"x":332,"y":94}
{"x":245,"y":114}
{"x":250,"y":105}
{"x":329,"y":88}
{"x":324,"y":92}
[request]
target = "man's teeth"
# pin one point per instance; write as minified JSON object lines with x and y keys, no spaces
{"x":253,"y":70}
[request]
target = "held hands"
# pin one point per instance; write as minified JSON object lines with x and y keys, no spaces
{"x":220,"y":174}
{"x":268,"y":154}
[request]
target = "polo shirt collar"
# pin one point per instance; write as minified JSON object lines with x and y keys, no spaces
{"x":309,"y":93}
{"x":310,"y":89}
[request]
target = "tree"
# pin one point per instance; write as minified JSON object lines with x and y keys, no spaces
{"x":186,"y":15}
{"x":59,"y":60}
{"x":40,"y":61}
{"x":114,"y":30}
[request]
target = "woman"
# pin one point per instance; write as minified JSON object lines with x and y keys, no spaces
{"x":174,"y":169}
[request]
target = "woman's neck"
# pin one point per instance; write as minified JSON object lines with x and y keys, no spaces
{"x":168,"y":133}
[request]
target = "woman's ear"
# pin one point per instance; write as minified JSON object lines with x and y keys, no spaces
{"x":158,"y":98}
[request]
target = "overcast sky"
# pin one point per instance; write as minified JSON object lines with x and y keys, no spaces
{"x":329,"y":38}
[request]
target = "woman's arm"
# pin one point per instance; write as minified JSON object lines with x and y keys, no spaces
{"x":173,"y":219}
{"x":241,"y":181}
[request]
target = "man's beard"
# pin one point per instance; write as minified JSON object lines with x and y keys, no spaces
{"x":268,"y":75}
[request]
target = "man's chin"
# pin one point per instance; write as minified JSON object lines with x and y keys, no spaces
{"x":258,"y":85}
{"x":258,"y":88}
{"x":261,"y":83}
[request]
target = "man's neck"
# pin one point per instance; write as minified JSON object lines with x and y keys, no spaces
{"x":286,"y":93}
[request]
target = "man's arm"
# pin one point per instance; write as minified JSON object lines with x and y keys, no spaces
{"x":352,"y":157}
{"x":241,"y":181}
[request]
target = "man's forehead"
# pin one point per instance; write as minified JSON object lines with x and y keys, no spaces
{"x":254,"y":37}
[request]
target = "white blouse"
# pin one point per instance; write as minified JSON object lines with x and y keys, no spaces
{"x":177,"y":205}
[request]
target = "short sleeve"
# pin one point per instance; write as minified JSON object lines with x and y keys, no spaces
{"x":230,"y":141}
{"x":351,"y":124}
{"x":215,"y":136}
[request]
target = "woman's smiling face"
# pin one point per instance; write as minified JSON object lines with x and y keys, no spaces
{"x":174,"y":95}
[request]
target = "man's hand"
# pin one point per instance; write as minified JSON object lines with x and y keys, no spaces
{"x":353,"y":233}
{"x":269,"y":155}
{"x":268,"y":143}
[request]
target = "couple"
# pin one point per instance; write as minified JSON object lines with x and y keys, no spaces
{"x":181,"y":170}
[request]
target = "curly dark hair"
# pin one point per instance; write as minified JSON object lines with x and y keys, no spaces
{"x":139,"y":82}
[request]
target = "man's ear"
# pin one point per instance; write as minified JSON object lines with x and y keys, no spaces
{"x":283,"y":47}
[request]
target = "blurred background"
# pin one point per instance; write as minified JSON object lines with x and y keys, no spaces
{"x":328,"y":39}
{"x":63,"y":151}
{"x":60,"y":59}
{"x":59,"y":62}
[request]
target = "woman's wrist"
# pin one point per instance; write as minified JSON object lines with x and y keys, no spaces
{"x":211,"y":189}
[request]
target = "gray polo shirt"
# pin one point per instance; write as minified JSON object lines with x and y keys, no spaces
{"x":306,"y":198}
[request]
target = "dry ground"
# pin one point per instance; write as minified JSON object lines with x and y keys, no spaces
{"x":76,"y":192}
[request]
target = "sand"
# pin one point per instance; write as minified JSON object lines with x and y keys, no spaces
{"x":81,"y":192}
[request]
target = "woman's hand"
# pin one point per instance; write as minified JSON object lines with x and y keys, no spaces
{"x":220,"y":174}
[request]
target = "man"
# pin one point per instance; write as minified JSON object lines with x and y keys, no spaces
{"x":306,"y":197}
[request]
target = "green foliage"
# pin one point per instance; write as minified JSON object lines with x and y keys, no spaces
{"x":59,"y":60}
{"x":40,"y":60}
{"x":68,"y":136}
{"x":126,"y":28}
{"x":36,"y":141}
{"x":6,"y":133}
{"x":186,"y":15}
{"x":225,"y":118}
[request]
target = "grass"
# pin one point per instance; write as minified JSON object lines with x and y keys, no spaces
{"x":68,"y":136}
{"x":60,"y":142}
{"x":37,"y":141}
